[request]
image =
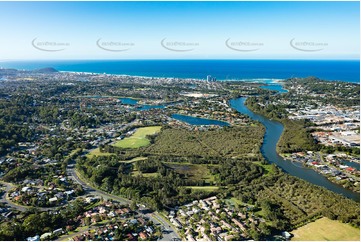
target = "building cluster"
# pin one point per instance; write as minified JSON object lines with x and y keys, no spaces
{"x":339,"y":126}
{"x":211,"y":219}
{"x":340,"y":168}
{"x":37,"y":195}
{"x":104,"y":221}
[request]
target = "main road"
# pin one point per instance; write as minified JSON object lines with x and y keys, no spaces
{"x":169,"y":233}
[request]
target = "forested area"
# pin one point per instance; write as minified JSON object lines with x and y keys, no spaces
{"x":285,"y":201}
{"x":115,"y":177}
{"x":293,"y":200}
{"x":300,"y":201}
{"x":240,"y":142}
{"x":295,"y":137}
{"x":178,"y":166}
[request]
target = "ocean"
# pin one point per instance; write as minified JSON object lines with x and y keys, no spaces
{"x":258,"y":70}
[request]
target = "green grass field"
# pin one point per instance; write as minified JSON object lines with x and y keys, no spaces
{"x":134,"y":159}
{"x":234,"y":201}
{"x":193,"y":171}
{"x":96,"y":152}
{"x":203,"y":188}
{"x":138,"y":139}
{"x":326,"y":229}
{"x":267,"y":167}
{"x":137,"y":173}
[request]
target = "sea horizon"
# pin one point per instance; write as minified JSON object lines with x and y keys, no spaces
{"x":229,"y":69}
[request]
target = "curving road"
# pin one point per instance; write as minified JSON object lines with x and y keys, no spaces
{"x":5,"y":199}
{"x":168,"y":232}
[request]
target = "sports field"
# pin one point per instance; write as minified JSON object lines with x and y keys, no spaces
{"x":138,"y":139}
{"x":326,"y":229}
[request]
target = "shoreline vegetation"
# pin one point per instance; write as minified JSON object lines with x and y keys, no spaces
{"x":296,"y":137}
{"x":285,"y":183}
{"x":272,"y":173}
{"x":175,"y":166}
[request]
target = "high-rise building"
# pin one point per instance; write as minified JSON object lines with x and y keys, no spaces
{"x":211,"y":79}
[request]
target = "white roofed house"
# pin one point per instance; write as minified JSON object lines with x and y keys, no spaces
{"x":53,"y":199}
{"x":26,"y":189}
{"x":35,"y":238}
{"x":58,"y":231}
{"x":176,"y":223}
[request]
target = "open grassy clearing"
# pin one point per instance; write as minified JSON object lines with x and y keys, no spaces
{"x":138,"y":139}
{"x":234,"y":201}
{"x":192,"y":171}
{"x":326,"y":229}
{"x":267,"y":167}
{"x":203,"y":188}
{"x":137,"y":173}
{"x":96,"y":152}
{"x":134,"y":159}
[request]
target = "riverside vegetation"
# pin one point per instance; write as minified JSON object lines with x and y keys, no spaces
{"x":164,"y":178}
{"x":51,"y":120}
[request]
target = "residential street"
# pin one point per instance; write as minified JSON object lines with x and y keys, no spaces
{"x":168,"y":234}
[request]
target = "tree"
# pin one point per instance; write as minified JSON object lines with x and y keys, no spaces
{"x":254,"y":234}
{"x":133,"y":205}
{"x":11,"y":231}
{"x":87,"y":221}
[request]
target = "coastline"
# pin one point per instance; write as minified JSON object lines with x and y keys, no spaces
{"x":250,"y":80}
{"x":198,"y":69}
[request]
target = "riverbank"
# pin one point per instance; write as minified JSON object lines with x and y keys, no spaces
{"x":274,"y":130}
{"x":295,"y":138}
{"x":326,"y":165}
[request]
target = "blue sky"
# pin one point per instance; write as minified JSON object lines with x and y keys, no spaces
{"x":254,"y":30}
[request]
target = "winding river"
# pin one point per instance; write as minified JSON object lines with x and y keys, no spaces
{"x":273,"y":133}
{"x":274,"y":130}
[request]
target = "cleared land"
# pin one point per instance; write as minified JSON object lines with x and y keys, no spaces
{"x":138,"y":139}
{"x":326,"y":229}
{"x":137,"y":173}
{"x":192,"y":171}
{"x":96,"y":152}
{"x":203,"y":188}
{"x":267,"y":167}
{"x":134,"y":159}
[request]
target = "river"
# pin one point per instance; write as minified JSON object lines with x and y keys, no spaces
{"x":273,"y":132}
